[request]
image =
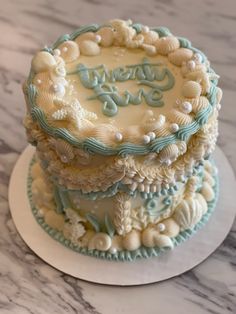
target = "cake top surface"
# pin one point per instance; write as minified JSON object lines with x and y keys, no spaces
{"x":121,"y":88}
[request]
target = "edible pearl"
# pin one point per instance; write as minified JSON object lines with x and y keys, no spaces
{"x":113,"y":250}
{"x":191,"y":65}
{"x":152,"y":135}
{"x":145,"y":29}
{"x":64,"y":159}
{"x":65,"y":49}
{"x":118,"y":137}
{"x":40,"y":213}
{"x":218,"y":106}
{"x":186,"y":107}
{"x":166,"y":162}
{"x":198,"y":58}
{"x":174,"y":127}
{"x":162,"y":119}
{"x":98,"y":38}
{"x":59,"y":89}
{"x":161,"y":227}
{"x":146,"y":139}
{"x":56,"y":52}
{"x":38,"y":81}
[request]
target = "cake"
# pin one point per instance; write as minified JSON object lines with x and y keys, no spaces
{"x":124,"y":121}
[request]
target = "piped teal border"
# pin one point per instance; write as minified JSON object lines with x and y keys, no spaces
{"x":142,"y":252}
{"x":93,"y":145}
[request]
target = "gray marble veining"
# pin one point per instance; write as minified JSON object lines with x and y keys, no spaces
{"x":27,"y":284}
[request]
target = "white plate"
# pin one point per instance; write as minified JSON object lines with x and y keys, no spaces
{"x":144,"y":271}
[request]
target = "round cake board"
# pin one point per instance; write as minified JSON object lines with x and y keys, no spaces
{"x":143,"y":271}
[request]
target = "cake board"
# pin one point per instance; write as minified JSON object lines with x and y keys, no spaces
{"x":142,"y":271}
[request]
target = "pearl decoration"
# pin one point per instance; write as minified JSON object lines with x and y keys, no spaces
{"x":65,"y":49}
{"x":56,"y":52}
{"x":197,"y":58}
{"x":64,"y":159}
{"x":174,"y":127}
{"x":98,"y":38}
{"x":161,"y":227}
{"x":113,"y":250}
{"x":152,"y":135}
{"x":38,"y":81}
{"x":218,"y":106}
{"x":118,"y":137}
{"x":145,"y":29}
{"x":191,"y":65}
{"x":166,"y":162}
{"x":186,"y":107}
{"x":162,"y":119}
{"x":40,"y":213}
{"x":59,"y":89}
{"x":146,"y":139}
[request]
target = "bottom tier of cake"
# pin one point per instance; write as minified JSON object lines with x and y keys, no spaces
{"x":119,"y":224}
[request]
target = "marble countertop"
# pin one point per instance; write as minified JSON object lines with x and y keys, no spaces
{"x":27,"y":284}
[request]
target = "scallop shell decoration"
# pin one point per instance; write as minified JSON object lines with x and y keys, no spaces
{"x":86,"y":36}
{"x":166,"y":45}
{"x":107,"y":36}
{"x":180,"y":55}
{"x":152,"y":123}
{"x":64,"y":150}
{"x":170,"y":152}
{"x":42,"y":80}
{"x":198,"y":104}
{"x":132,"y":240}
{"x":178,"y":117}
{"x":150,"y":37}
{"x":116,"y":244}
{"x":162,"y":131}
{"x":171,"y":228}
{"x":101,"y":241}
{"x":42,"y":61}
{"x":151,"y":238}
{"x":191,"y":89}
{"x":45,"y":100}
{"x":69,"y":51}
{"x":89,"y":48}
{"x":188,"y":213}
{"x":104,"y":133}
{"x":207,"y":192}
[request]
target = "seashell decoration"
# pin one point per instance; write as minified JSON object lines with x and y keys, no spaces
{"x":149,"y":49}
{"x":89,"y":48}
{"x":171,"y":228}
{"x":199,"y":103}
{"x":45,"y":100}
{"x":166,"y":45}
{"x":86,"y":36}
{"x":170,"y":152}
{"x":208,"y":178}
{"x":64,"y":150}
{"x":151,"y":238}
{"x":191,"y":89}
{"x":116,"y":244}
{"x":188,"y":213}
{"x":69,"y":51}
{"x":100,"y":241}
{"x":42,"y":61}
{"x":152,"y":123}
{"x":207,"y":192}
{"x":219,"y":95}
{"x":178,"y":117}
{"x":132,"y":240}
{"x":150,"y":37}
{"x":104,"y":133}
{"x":42,"y":80}
{"x":202,"y":202}
{"x":107,"y":36}
{"x":180,"y":55}
{"x":182,"y":146}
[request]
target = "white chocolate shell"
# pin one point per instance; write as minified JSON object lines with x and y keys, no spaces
{"x":191,"y":89}
{"x":166,"y":45}
{"x":180,"y":55}
{"x":69,"y":51}
{"x":151,"y":238}
{"x":64,"y":150}
{"x":100,"y":241}
{"x":107,"y":36}
{"x":89,"y":48}
{"x":170,"y":152}
{"x":207,"y":192}
{"x":188,"y":213}
{"x":198,"y":104}
{"x":178,"y":117}
{"x":172,"y":229}
{"x":42,"y":61}
{"x":132,"y":240}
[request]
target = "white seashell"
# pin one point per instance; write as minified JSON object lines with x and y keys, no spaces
{"x":208,"y":178}
{"x":168,"y":44}
{"x":100,"y":241}
{"x":191,"y":65}
{"x":150,"y":37}
{"x":197,"y":58}
{"x":132,"y":240}
{"x":149,"y":49}
{"x":191,"y":89}
{"x":162,"y":131}
{"x":69,"y":51}
{"x":45,"y":100}
{"x":199,"y":103}
{"x":182,"y":146}
{"x":54,"y":220}
{"x":42,"y":61}
{"x":178,"y":117}
{"x":86,"y":36}
{"x":188,"y":213}
{"x":202,"y":202}
{"x":170,"y":152}
{"x":116,"y":244}
{"x":42,"y":80}
{"x":89,"y":48}
{"x":180,"y":55}
{"x":104,"y":133}
{"x":84,"y":240}
{"x":107,"y":36}
{"x":172,"y":229}
{"x":64,"y":149}
{"x":207,"y":192}
{"x":151,"y":238}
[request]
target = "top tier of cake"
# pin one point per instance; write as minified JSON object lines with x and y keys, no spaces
{"x":121,"y":88}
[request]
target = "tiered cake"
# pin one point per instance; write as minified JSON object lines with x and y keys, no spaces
{"x":124,"y":120}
